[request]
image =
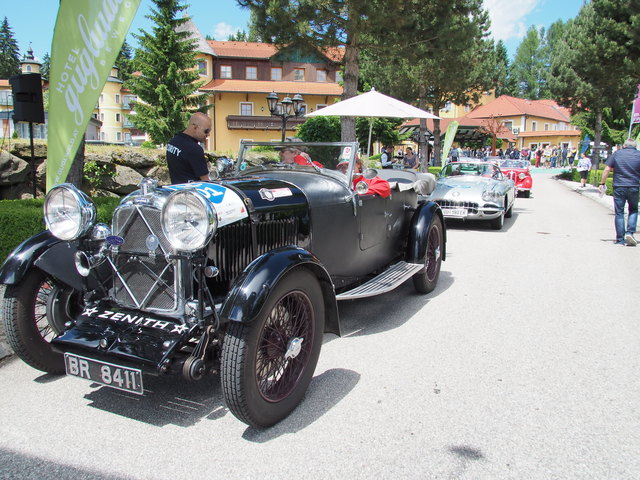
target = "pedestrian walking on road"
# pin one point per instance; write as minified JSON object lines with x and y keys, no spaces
{"x":584,"y":165}
{"x":625,"y":165}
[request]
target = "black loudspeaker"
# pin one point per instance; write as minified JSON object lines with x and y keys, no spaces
{"x":27,"y":98}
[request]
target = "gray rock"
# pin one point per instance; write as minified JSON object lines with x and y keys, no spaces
{"x":161,"y":174}
{"x":13,"y":170}
{"x":125,"y":181}
{"x":135,"y":159}
{"x":23,"y":150}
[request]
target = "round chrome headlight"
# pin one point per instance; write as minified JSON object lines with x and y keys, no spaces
{"x":490,"y":195}
{"x":68,"y":212}
{"x":188,"y":220}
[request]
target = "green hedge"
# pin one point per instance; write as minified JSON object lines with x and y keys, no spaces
{"x":21,"y":219}
{"x":593,"y":178}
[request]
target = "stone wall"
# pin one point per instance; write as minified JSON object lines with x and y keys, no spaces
{"x":125,"y":168}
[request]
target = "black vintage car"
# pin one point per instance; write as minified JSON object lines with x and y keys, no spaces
{"x":240,"y":275}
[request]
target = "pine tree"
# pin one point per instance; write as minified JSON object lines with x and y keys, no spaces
{"x":528,"y":65}
{"x":166,"y":86}
{"x":9,"y":51}
{"x":124,"y":61}
{"x":440,"y":55}
{"x":317,"y":24}
{"x":588,"y":71}
{"x":46,"y":66}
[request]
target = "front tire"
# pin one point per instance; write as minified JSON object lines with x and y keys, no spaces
{"x":427,"y":279}
{"x":498,"y":222}
{"x":34,"y":314}
{"x":267,"y":364}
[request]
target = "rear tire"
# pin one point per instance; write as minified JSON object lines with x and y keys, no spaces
{"x":427,"y":279}
{"x":35,"y":311}
{"x":267,"y":364}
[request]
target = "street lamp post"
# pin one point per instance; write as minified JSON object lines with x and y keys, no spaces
{"x":285,"y":109}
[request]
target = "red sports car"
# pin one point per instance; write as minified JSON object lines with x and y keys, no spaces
{"x":518,"y":171}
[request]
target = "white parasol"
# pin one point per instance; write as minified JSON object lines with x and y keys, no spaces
{"x":371,"y":104}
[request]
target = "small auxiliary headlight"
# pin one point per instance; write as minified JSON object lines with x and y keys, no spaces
{"x":68,"y":212}
{"x":188,"y":220}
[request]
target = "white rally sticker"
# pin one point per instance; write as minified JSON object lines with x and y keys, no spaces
{"x":229,"y":206}
{"x":272,"y":193}
{"x":346,"y":153}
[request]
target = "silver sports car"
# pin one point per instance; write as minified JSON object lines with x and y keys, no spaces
{"x":474,"y":190}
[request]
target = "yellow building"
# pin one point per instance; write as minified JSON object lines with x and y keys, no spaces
{"x":534,"y":123}
{"x":452,"y":110}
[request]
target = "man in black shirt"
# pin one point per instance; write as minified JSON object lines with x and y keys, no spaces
{"x":625,"y":164}
{"x":185,"y":157}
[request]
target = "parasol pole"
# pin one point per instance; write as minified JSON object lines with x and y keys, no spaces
{"x":369,"y":141}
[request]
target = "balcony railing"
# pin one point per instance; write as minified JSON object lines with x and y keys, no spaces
{"x":245,"y":122}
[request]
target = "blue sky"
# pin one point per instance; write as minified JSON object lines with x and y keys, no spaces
{"x":33,"y":20}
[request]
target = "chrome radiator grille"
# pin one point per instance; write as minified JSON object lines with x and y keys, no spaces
{"x":232,"y":250}
{"x":144,"y":279}
{"x":472,"y":207}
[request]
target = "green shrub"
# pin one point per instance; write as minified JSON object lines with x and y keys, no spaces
{"x":148,"y":144}
{"x":22,"y":219}
{"x":263,"y":148}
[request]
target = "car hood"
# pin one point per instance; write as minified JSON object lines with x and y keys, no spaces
{"x":463,"y":185}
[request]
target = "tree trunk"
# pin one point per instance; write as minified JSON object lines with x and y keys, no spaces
{"x":437,"y":149}
{"x":596,"y":143}
{"x":77,"y":167}
{"x":423,"y":146}
{"x":351,"y":73}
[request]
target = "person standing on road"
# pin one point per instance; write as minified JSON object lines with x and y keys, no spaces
{"x":584,"y":165}
{"x":625,"y":164}
{"x":386,"y":159}
{"x":185,"y":157}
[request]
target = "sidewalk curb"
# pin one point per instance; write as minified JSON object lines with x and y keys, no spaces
{"x":590,"y":192}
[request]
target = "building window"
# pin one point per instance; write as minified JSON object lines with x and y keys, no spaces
{"x":103,"y":136}
{"x":102,"y":117}
{"x":447,"y":107}
{"x":251,"y":73}
{"x":246,"y":109}
{"x":202,"y":67}
{"x":546,"y":126}
{"x":117,"y":98}
{"x":467,"y":107}
{"x":28,"y":68}
{"x":322,"y":75}
{"x":508,"y":125}
{"x":117,"y":117}
{"x":101,"y":98}
{"x":298,"y":74}
{"x":534,"y":127}
{"x":276,"y":73}
{"x":338,"y":77}
{"x":320,"y":105}
{"x":225,"y":71}
{"x":119,"y":136}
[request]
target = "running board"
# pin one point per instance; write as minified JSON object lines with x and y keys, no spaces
{"x":383,"y":283}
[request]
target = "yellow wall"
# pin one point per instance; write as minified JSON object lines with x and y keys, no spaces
{"x":226,"y":103}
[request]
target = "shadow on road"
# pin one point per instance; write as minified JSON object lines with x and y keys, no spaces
{"x":325,"y":391}
{"x":478,"y":225}
{"x":18,"y":465}
{"x":368,"y":316}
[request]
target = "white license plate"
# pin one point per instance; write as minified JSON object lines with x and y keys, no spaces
{"x":108,"y":374}
{"x":454,"y":212}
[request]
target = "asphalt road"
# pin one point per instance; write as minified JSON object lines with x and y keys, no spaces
{"x":523,"y":364}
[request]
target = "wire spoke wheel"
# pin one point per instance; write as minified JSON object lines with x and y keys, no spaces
{"x":268,"y":362}
{"x":285,"y":346}
{"x":427,"y":279}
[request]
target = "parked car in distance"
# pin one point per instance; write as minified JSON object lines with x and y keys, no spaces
{"x":240,"y":275}
{"x":518,"y":171}
{"x":474,"y":190}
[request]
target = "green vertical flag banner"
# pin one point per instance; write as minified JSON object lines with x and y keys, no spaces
{"x":86,"y":41}
{"x":448,"y":140}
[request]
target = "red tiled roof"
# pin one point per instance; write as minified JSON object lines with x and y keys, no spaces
{"x":258,"y":86}
{"x":444,"y":122}
{"x":506,"y":106}
{"x":4,"y":82}
{"x":261,"y":50}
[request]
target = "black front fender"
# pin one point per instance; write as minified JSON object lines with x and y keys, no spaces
{"x":51,"y":255}
{"x":24,"y":255}
{"x":251,"y":289}
{"x":419,"y":230}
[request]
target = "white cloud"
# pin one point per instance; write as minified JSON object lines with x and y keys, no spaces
{"x":221,"y":31}
{"x":508,"y":17}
